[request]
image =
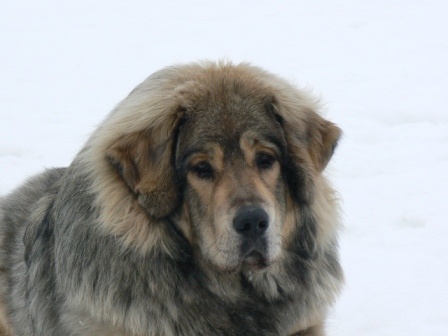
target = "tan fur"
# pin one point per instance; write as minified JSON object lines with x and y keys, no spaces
{"x":144,"y":184}
{"x":234,"y":186}
{"x":313,"y":331}
{"x":310,"y":136}
{"x":157,"y":111}
{"x":289,"y":222}
{"x":326,"y":210}
{"x":5,"y":329}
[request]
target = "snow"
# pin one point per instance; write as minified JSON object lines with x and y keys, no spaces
{"x":380,"y":66}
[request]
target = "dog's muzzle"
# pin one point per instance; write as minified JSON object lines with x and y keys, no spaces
{"x":251,"y":223}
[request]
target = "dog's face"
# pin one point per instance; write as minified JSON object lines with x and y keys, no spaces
{"x":230,"y":157}
{"x":230,"y":154}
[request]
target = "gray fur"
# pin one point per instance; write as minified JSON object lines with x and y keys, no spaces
{"x":63,"y":273}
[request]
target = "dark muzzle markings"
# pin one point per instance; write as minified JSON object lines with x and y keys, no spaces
{"x":198,"y":207}
{"x":232,"y":182}
{"x":251,"y":222}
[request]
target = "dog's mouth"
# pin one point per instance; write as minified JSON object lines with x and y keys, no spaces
{"x":251,"y":255}
{"x":254,"y":254}
{"x":255,"y":260}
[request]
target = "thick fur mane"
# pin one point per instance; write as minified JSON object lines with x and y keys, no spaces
{"x":154,"y":106}
{"x":132,"y":239}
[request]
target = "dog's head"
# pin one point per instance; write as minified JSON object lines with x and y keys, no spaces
{"x":232,"y":153}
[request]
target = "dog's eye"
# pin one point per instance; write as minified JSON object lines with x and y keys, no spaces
{"x":203,"y":170}
{"x":264,"y":161}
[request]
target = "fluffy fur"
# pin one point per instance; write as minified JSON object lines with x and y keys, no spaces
{"x":140,"y":235}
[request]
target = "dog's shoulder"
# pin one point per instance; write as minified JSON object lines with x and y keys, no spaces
{"x":17,"y":206}
{"x":22,"y":209}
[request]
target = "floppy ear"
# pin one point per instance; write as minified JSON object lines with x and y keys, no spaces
{"x":311,"y":141}
{"x":144,"y":162}
{"x":322,"y":137}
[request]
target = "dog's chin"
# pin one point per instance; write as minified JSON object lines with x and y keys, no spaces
{"x":252,"y":261}
{"x":255,"y":261}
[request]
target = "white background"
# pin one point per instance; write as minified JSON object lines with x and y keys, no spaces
{"x":380,"y":66}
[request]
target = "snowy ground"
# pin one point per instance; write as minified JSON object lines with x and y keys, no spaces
{"x":380,"y":66}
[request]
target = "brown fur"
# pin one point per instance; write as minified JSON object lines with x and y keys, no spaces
{"x":144,"y":220}
{"x":314,"y":331}
{"x":5,"y":329}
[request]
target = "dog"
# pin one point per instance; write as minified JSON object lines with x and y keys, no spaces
{"x":199,"y":206}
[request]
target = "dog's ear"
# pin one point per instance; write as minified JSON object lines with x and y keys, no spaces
{"x":144,"y":161}
{"x":310,"y":144}
{"x":322,"y":137}
{"x":311,"y":141}
{"x":307,"y":130}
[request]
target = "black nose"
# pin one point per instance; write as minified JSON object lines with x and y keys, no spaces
{"x":251,"y":221}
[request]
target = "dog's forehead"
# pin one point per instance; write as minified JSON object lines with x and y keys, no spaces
{"x":225,"y":122}
{"x":228,"y":119}
{"x":229,"y":105}
{"x":224,"y":106}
